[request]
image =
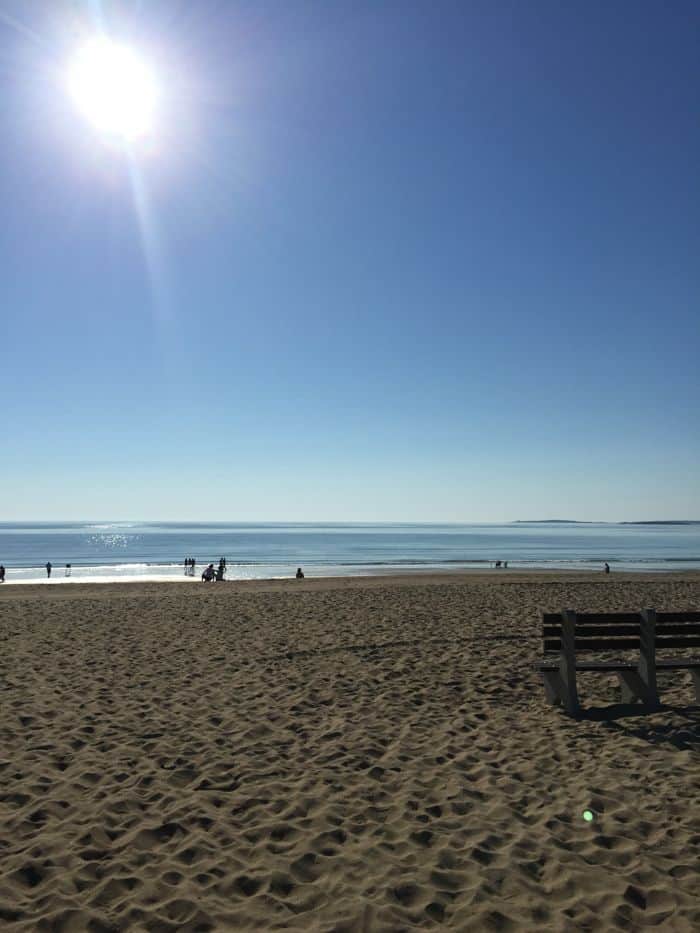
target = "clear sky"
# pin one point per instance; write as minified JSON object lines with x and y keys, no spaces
{"x":401,"y":260}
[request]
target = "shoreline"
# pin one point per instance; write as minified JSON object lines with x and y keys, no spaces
{"x":415,"y":577}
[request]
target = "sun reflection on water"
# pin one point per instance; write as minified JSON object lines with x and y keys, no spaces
{"x":112,"y":541}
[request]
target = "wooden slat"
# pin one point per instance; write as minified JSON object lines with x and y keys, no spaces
{"x":608,"y":618}
{"x":677,"y":617}
{"x":678,"y":642}
{"x":679,"y":664}
{"x":606,"y":644}
{"x":591,"y":666}
{"x":594,"y":618}
{"x":623,"y":644}
{"x":630,"y":644}
{"x":678,"y":628}
{"x":596,"y":644}
{"x":586,"y":631}
{"x":611,"y":618}
{"x":676,"y":664}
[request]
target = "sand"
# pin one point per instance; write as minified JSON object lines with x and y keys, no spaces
{"x":336,"y":755}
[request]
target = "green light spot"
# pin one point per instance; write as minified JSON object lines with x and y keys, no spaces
{"x":588,"y":816}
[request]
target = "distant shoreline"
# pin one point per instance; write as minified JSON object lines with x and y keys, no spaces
{"x":575,"y":521}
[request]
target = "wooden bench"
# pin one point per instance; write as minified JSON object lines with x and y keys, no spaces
{"x":647,"y":632}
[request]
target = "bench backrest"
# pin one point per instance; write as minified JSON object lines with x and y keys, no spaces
{"x":600,"y":631}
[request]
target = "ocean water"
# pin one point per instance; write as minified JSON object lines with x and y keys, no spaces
{"x":104,"y":551}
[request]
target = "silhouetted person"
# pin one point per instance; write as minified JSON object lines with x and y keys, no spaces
{"x":68,"y":570}
{"x":2,"y":574}
{"x":208,"y":574}
{"x":607,"y":567}
{"x":300,"y":573}
{"x":48,"y":568}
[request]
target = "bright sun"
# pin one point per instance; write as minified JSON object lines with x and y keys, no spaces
{"x":114,"y":89}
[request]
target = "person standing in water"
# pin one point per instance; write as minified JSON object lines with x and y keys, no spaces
{"x":48,"y":568}
{"x":606,"y":567}
{"x":2,"y":574}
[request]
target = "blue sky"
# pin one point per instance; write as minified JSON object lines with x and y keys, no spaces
{"x":381,"y":261}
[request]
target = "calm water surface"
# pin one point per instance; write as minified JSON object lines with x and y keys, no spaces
{"x":132,"y":550}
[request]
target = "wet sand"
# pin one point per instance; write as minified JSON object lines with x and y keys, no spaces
{"x":336,"y":755}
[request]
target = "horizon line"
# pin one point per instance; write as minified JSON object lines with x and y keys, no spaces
{"x":283,"y":521}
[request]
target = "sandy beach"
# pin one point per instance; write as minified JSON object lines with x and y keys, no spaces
{"x":339,"y":755}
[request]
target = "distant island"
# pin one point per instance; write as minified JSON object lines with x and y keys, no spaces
{"x":574,"y":521}
{"x":667,"y":522}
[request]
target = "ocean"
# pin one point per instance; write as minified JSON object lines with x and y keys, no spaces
{"x":110,"y":551}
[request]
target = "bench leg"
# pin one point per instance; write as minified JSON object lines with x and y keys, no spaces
{"x":557,"y":693}
{"x":627,"y":694}
{"x":552,"y":687}
{"x":633,"y":688}
{"x":567,"y":663}
{"x":695,"y":674}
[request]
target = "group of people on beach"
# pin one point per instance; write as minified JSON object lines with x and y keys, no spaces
{"x":504,"y":565}
{"x":210,"y":575}
{"x":49,"y":568}
{"x":48,"y":565}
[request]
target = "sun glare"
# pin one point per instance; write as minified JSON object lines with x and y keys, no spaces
{"x":114,"y":89}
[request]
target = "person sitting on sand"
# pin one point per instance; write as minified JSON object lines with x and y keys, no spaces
{"x":300,"y":573}
{"x":208,"y":574}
